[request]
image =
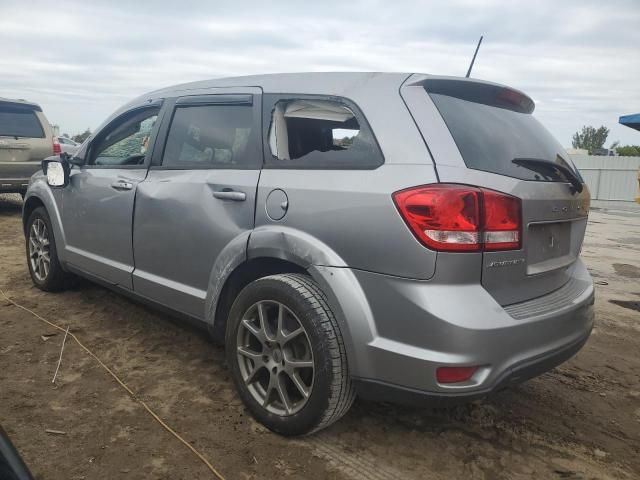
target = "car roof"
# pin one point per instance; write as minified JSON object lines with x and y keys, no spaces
{"x":340,"y":84}
{"x":303,"y":82}
{"x":20,"y":101}
{"x":309,"y":83}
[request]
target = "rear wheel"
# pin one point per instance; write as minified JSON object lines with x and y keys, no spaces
{"x":286,"y":354}
{"x":42,"y":258}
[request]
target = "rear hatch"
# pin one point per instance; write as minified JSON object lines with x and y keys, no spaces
{"x":484,"y":135}
{"x":23,"y":135}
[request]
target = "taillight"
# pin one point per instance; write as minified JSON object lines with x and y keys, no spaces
{"x":502,"y":221}
{"x":57,"y":149}
{"x":460,"y":218}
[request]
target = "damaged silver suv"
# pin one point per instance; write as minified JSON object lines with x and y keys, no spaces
{"x":402,"y":237}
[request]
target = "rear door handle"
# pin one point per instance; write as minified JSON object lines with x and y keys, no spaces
{"x":230,"y":195}
{"x":122,"y":185}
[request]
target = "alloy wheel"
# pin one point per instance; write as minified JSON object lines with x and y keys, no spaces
{"x":275,"y":357}
{"x":39,"y":250}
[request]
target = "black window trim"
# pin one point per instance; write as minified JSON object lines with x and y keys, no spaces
{"x":227,"y":99}
{"x":157,"y":103}
{"x":272,"y":162}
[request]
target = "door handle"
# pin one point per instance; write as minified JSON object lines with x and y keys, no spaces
{"x":230,"y":195}
{"x":122,"y":185}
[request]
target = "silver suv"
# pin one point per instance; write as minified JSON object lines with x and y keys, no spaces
{"x":402,"y":237}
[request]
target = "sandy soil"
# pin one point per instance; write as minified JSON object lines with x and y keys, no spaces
{"x":581,"y":420}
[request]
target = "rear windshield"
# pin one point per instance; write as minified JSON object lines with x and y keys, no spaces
{"x":491,"y":137}
{"x":17,"y":121}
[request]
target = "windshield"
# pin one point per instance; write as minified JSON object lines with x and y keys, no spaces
{"x":19,"y":122}
{"x":490,"y":138}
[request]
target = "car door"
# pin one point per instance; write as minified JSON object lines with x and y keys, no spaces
{"x":97,"y":211}
{"x":198,"y":199}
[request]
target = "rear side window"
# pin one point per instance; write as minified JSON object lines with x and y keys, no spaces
{"x":320,"y":134}
{"x":491,"y":134}
{"x":211,"y":136}
{"x":17,"y":121}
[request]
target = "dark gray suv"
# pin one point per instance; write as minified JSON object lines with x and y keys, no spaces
{"x":404,"y":237}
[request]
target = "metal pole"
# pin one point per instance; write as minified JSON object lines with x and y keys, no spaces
{"x":474,"y":56}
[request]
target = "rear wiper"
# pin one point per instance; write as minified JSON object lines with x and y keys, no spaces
{"x":566,"y":171}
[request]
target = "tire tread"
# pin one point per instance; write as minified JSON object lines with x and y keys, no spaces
{"x":342,"y":390}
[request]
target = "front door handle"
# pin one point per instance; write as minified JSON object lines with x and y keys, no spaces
{"x":230,"y":195}
{"x":122,"y":185}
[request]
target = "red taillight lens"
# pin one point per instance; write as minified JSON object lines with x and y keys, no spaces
{"x":443,"y":217}
{"x":454,"y":374}
{"x":57,"y":150}
{"x":501,"y":221}
{"x":459,"y":218}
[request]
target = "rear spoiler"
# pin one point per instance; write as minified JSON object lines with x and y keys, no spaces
{"x":485,"y":93}
{"x":7,"y":102}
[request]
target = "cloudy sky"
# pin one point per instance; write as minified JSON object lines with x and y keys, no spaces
{"x":579,"y":60}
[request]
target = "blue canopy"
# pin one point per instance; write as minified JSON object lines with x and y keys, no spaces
{"x":631,"y":121}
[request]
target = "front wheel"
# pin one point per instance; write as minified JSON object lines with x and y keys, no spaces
{"x":286,"y":355}
{"x":42,"y":258}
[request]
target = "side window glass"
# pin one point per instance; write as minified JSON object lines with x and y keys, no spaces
{"x":320,"y":134}
{"x":211,"y":136}
{"x":126,"y":142}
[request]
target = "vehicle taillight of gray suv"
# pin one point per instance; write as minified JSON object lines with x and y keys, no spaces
{"x":402,"y":237}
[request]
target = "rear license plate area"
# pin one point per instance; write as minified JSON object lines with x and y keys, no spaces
{"x":547,"y":242}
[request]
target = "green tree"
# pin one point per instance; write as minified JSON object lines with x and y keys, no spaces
{"x":81,"y":137}
{"x":629,"y":151}
{"x":590,"y":138}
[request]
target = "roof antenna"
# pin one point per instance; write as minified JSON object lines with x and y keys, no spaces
{"x":474,"y":57}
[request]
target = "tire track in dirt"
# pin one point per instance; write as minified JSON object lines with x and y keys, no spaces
{"x":357,"y":466}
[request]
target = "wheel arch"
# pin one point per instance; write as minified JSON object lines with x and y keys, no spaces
{"x":264,"y":251}
{"x":30,"y":204}
{"x":242,"y":275}
{"x":40,"y":195}
{"x":269,"y":251}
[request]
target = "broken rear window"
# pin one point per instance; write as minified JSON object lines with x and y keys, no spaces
{"x":309,"y":133}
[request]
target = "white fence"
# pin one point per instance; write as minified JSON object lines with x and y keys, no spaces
{"x":609,"y":178}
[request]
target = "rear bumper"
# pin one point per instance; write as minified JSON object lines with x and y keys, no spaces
{"x":414,"y":327}
{"x":387,"y":392}
{"x":13,"y":185}
{"x":14,"y":176}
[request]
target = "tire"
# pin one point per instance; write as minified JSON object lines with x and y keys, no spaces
{"x":52,"y":278}
{"x":294,"y":298}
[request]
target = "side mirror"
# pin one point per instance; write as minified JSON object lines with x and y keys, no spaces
{"x":71,"y":159}
{"x":57,"y":171}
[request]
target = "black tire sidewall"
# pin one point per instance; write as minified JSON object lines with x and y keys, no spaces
{"x":312,"y":413}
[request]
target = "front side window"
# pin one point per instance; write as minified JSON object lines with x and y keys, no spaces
{"x":309,"y":133}
{"x":211,"y":136}
{"x":125,"y":143}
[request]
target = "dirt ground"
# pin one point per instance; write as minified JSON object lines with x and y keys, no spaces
{"x":580,"y":421}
